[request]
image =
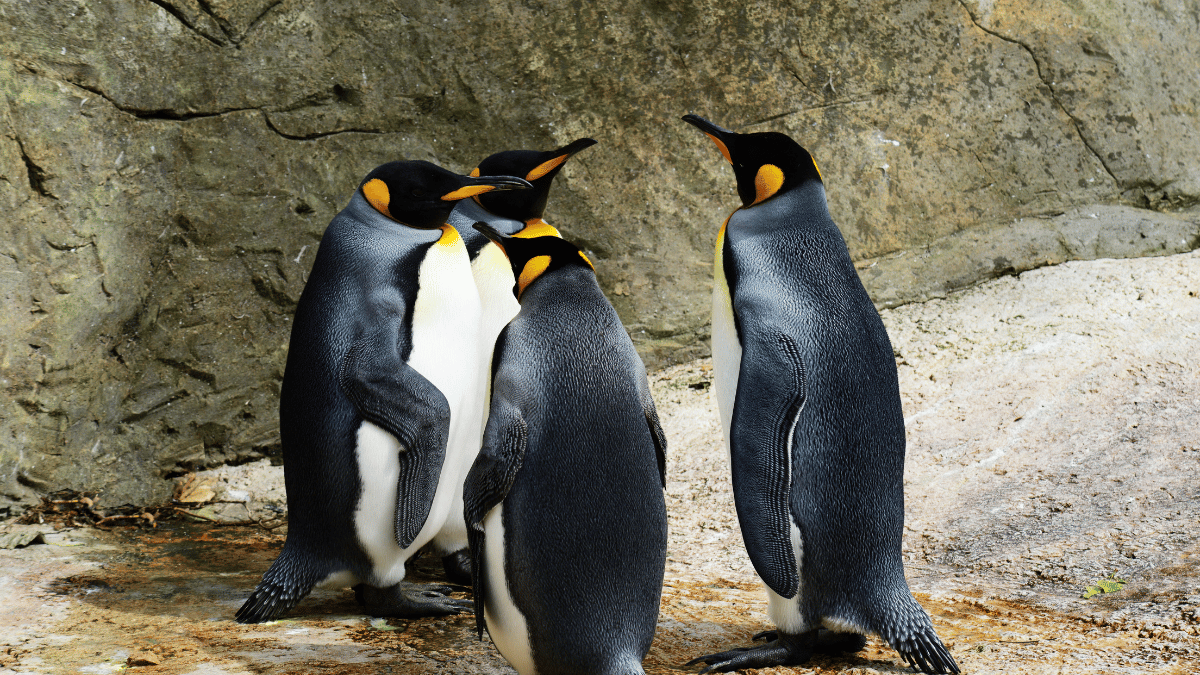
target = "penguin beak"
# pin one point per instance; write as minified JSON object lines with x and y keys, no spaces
{"x":575,"y":146}
{"x":491,"y":233}
{"x":472,"y":186}
{"x":720,"y":135}
{"x":560,"y":155}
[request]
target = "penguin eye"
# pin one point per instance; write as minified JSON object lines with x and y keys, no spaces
{"x":418,"y":193}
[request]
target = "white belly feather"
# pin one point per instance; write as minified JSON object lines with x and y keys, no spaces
{"x":726,"y":349}
{"x":445,"y":329}
{"x":505,"y":623}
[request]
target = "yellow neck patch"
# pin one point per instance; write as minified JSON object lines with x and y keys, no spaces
{"x":818,"y":171}
{"x":767,"y":182}
{"x":450,"y":237}
{"x":721,"y":235}
{"x":536,"y":227}
{"x":545,"y":167}
{"x":475,"y":172}
{"x":587,"y":260}
{"x":468,"y":191}
{"x":533,"y":269}
{"x":721,"y":146}
{"x":376,"y":192}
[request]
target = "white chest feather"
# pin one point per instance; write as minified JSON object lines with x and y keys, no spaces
{"x":726,"y":349}
{"x":494,"y":279}
{"x":505,"y":623}
{"x":445,"y":329}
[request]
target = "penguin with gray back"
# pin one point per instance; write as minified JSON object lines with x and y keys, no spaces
{"x":369,"y":396}
{"x":810,"y":404}
{"x":513,"y":212}
{"x":565,"y":502}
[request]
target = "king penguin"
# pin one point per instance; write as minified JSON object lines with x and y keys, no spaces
{"x":372,"y":393}
{"x":809,"y":402}
{"x":514,"y":212}
{"x":565,"y":504}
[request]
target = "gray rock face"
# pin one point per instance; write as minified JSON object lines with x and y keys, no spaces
{"x":168,"y":166}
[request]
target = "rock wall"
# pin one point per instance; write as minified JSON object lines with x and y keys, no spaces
{"x":168,"y":166}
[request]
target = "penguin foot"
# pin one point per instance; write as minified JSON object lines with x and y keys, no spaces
{"x":410,"y":601}
{"x":782,"y":650}
{"x":458,"y":566}
{"x":828,"y":642}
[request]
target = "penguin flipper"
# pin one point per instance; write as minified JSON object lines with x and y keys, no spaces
{"x":656,"y":430}
{"x":488,"y":483}
{"x":770,"y":396}
{"x":392,"y":395}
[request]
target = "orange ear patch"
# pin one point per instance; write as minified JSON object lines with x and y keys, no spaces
{"x":545,"y":167}
{"x":376,"y":192}
{"x":721,"y":146}
{"x":468,"y":191}
{"x":475,"y":172}
{"x":533,"y":269}
{"x":767,"y":182}
{"x":536,"y":227}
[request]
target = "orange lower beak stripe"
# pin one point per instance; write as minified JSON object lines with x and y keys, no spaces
{"x":468,"y":191}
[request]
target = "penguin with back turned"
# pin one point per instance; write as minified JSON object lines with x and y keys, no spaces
{"x":512,"y":212}
{"x":375,"y":381}
{"x":809,"y":401}
{"x":565,"y":502}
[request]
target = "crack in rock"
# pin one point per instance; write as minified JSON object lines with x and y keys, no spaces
{"x":225,"y":32}
{"x":164,"y":114}
{"x":254,"y":22}
{"x":182,"y":18}
{"x":37,"y":175}
{"x":317,"y":135}
{"x":223,"y":24}
{"x":1053,"y":94}
{"x":171,"y":115}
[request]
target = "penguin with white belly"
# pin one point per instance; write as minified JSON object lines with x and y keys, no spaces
{"x":513,"y":212}
{"x":380,"y":365}
{"x":565,"y":502}
{"x":809,"y":401}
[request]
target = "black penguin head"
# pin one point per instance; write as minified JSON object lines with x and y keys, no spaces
{"x":764,"y":164}
{"x":532,"y":257}
{"x":539,"y":168}
{"x":421,"y":194}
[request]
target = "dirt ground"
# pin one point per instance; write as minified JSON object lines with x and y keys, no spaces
{"x":1054,"y":441}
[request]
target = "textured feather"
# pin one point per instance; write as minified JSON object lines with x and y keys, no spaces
{"x":284,"y":585}
{"x":910,"y":632}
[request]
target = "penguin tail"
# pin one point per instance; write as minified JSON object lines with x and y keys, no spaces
{"x":910,"y":632}
{"x":284,"y":585}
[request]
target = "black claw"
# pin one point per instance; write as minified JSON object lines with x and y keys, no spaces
{"x":786,"y":650}
{"x":715,"y":658}
{"x":409,"y":601}
{"x":767,"y":635}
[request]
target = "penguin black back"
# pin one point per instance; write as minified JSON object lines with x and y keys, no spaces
{"x":565,"y":503}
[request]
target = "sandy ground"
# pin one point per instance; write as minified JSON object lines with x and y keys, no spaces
{"x":1054,"y":441}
